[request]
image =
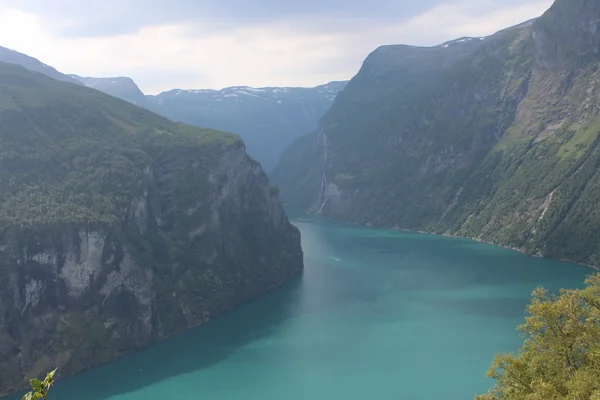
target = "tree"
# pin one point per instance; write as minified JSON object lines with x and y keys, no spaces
{"x":560,"y":357}
{"x":40,"y":388}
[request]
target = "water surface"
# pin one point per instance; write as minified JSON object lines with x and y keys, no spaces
{"x":377,"y":314}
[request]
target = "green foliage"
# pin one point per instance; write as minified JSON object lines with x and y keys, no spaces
{"x":583,"y":137}
{"x":40,"y":388}
{"x":560,"y":358}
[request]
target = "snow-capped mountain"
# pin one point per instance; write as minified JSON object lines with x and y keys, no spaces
{"x":239,"y":94}
{"x":268,"y":119}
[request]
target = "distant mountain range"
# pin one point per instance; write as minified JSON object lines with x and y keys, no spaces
{"x":268,"y":119}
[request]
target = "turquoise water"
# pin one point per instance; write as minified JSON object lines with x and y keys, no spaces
{"x":376,"y":315}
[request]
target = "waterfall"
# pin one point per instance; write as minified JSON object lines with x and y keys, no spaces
{"x":324,"y":192}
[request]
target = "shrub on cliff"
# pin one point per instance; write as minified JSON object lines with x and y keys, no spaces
{"x":40,"y":388}
{"x":560,"y":358}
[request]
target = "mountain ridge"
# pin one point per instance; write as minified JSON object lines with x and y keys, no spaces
{"x":274,"y":89}
{"x":122,"y":87}
{"x":33,"y":64}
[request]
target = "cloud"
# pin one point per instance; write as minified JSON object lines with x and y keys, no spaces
{"x":115,"y":17}
{"x":211,"y":45}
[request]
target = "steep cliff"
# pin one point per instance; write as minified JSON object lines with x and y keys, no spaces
{"x":492,"y":138}
{"x":119,"y":228}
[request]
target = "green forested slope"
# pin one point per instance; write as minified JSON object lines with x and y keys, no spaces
{"x":494,"y":139}
{"x":71,"y":155}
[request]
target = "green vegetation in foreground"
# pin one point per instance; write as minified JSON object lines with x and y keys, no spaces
{"x":560,"y":358}
{"x":40,"y":388}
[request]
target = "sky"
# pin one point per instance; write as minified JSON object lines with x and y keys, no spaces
{"x":202,"y":44}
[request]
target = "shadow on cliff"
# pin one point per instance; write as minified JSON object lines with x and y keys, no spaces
{"x":193,"y":350}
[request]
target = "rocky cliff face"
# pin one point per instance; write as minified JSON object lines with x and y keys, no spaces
{"x":492,"y":138}
{"x":408,"y":115}
{"x":146,"y":228}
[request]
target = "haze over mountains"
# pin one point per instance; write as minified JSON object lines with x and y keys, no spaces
{"x":268,"y":119}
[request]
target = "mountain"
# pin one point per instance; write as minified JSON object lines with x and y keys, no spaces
{"x":119,"y":228}
{"x":495,"y":139}
{"x":121,"y":87}
{"x":32,"y":64}
{"x":267,"y":119}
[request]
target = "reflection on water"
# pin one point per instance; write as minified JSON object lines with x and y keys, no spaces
{"x":376,"y":314}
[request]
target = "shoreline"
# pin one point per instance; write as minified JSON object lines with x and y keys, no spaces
{"x":266,"y":291}
{"x":519,"y":250}
{"x":522,"y":251}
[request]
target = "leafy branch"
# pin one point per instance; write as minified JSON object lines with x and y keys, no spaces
{"x":40,"y":388}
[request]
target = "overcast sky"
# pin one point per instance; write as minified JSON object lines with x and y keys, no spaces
{"x":166,"y":44}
